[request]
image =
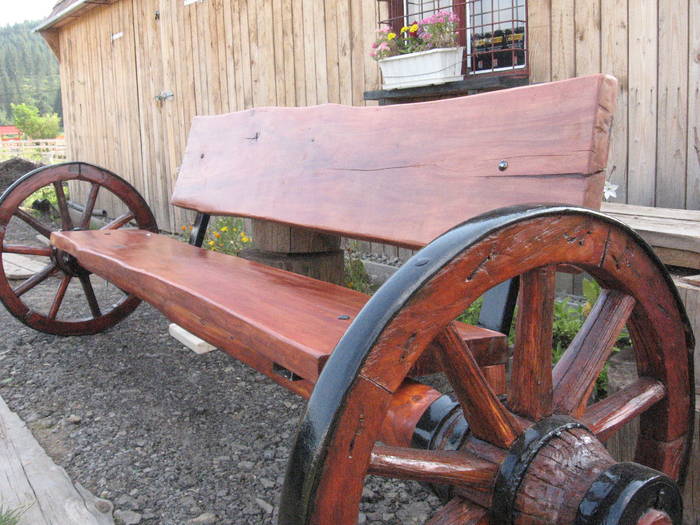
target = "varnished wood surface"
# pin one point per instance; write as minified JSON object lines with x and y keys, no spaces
{"x":232,"y":303}
{"x":370,"y":182}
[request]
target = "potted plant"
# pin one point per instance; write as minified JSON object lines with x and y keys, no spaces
{"x":422,"y":54}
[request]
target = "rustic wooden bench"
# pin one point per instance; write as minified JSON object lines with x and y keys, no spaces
{"x":456,"y":179}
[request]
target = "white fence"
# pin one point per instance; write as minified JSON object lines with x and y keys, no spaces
{"x":44,"y":151}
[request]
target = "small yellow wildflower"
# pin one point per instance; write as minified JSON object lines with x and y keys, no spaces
{"x":224,"y":229}
{"x":217,"y":234}
{"x":211,"y":243}
{"x":245,"y":239}
{"x":391,"y":36}
{"x":414,"y":28}
{"x":404,"y":29}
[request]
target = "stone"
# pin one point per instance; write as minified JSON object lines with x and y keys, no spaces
{"x":127,"y":517}
{"x":74,"y":419}
{"x":125,"y":501}
{"x":264,"y":505}
{"x":204,"y":518}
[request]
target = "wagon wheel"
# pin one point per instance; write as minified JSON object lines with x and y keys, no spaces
{"x":521,"y":460}
{"x":60,"y":268}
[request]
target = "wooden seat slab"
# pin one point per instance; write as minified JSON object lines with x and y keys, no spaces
{"x":237,"y":305}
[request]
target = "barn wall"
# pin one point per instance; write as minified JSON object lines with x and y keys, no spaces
{"x":215,"y":56}
{"x":225,"y":55}
{"x":653,"y":48}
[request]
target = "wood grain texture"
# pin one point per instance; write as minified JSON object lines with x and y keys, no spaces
{"x":693,"y":139}
{"x":531,"y":371}
{"x":450,"y":467}
{"x":673,"y":105}
{"x":340,"y":172}
{"x":643,"y":95}
{"x":460,"y":512}
{"x":575,"y":374}
{"x":234,"y":304}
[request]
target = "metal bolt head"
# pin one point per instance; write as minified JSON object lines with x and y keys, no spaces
{"x":503,"y":165}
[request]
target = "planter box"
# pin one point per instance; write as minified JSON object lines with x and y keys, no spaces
{"x":425,"y":68}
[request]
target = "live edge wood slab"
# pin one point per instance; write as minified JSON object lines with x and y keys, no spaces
{"x":456,"y":179}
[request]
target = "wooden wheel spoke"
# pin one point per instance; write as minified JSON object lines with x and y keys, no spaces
{"x":575,"y":374}
{"x":605,"y":417}
{"x":35,"y":279}
{"x":488,"y":418}
{"x":58,"y":299}
{"x":26,"y":250}
{"x":66,"y":220}
{"x":89,"y":206}
{"x":531,"y":378}
{"x":460,"y":512}
{"x":446,"y":467}
{"x":90,"y":296}
{"x":43,"y":230}
{"x":120,"y":221}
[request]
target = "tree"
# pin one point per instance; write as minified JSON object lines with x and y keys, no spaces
{"x":29,"y":122}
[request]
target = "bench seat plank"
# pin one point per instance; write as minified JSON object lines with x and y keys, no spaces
{"x":234,"y":304}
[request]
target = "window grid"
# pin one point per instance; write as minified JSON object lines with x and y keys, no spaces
{"x":494,"y":32}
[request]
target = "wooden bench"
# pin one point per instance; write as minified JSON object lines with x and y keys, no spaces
{"x":411,"y":176}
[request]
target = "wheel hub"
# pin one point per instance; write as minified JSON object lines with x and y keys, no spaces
{"x":66,"y":262}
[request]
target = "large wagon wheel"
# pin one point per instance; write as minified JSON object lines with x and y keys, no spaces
{"x":60,"y":264}
{"x":535,"y":457}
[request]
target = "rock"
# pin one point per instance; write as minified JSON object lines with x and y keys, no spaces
{"x":127,"y":517}
{"x":264,"y":505}
{"x":74,"y":419}
{"x":204,"y":518}
{"x":126,"y":501}
{"x":246,"y":465}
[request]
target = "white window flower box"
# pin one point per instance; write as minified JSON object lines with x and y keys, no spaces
{"x":425,"y":68}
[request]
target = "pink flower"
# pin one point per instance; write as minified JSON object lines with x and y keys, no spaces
{"x":373,"y":53}
{"x":426,"y":36}
{"x":374,"y":45}
{"x":384,"y":29}
{"x":383,"y":46}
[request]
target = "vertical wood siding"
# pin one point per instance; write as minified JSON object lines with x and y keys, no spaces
{"x":653,"y":48}
{"x":226,"y":55}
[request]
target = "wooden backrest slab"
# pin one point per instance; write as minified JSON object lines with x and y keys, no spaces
{"x":402,"y":174}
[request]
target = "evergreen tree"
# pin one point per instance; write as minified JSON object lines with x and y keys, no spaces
{"x":28,"y":72}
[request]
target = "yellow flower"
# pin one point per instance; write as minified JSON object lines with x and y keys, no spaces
{"x":224,"y":229}
{"x":414,"y":28}
{"x":211,"y":243}
{"x":391,"y":36}
{"x":183,"y":227}
{"x":245,"y":239}
{"x":404,"y":29}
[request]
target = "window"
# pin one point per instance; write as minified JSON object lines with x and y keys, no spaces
{"x":494,"y":32}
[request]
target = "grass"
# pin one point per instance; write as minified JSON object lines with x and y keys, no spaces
{"x":10,"y":516}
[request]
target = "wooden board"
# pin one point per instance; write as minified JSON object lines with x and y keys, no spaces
{"x":391,"y":187}
{"x":18,"y":266}
{"x":30,"y":480}
{"x":242,"y":307}
{"x":674,"y":234}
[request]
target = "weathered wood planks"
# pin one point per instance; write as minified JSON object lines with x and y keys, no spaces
{"x":30,"y":480}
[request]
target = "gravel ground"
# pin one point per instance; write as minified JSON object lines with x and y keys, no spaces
{"x":169,"y":436}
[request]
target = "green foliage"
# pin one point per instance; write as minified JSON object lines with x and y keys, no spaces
{"x":10,"y":516}
{"x":28,"y":72}
{"x":226,"y":235}
{"x":355,"y":276}
{"x":27,"y":119}
{"x":471,"y":314}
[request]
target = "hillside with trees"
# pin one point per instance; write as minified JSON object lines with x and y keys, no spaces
{"x":28,"y":72}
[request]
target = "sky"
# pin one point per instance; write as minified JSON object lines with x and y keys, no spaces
{"x":14,"y":11}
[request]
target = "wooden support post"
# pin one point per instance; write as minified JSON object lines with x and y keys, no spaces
{"x":297,"y":250}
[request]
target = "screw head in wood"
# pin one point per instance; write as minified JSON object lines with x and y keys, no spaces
{"x":503,"y":165}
